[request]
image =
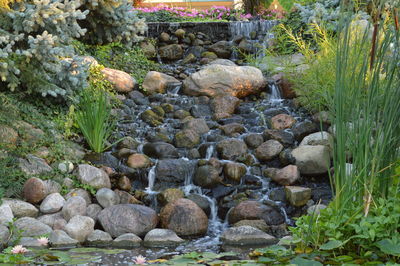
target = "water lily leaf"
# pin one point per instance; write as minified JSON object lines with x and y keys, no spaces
{"x":265,"y":260}
{"x":331,"y":244}
{"x":388,"y":247}
{"x":304,"y":262}
{"x":102,"y":250}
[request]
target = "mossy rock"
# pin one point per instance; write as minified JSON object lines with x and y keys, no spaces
{"x":151,"y":118}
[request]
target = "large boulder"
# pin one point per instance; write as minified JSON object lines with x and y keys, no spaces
{"x":21,"y":208}
{"x":52,"y":203}
{"x":157,"y":82}
{"x":74,"y":206}
{"x":34,"y":190}
{"x":217,"y":80}
{"x":6,"y":215}
{"x":254,"y":210}
{"x":80,"y":227}
{"x":121,"y":81}
{"x":286,"y":176}
{"x":30,"y":227}
{"x":298,"y":196}
{"x":60,"y":239}
{"x":90,"y":175}
{"x":246,"y":236}
{"x":184,"y":217}
{"x":312,"y":160}
{"x":128,"y":218}
{"x":33,"y":165}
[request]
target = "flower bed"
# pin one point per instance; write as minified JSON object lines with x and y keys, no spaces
{"x":164,"y":13}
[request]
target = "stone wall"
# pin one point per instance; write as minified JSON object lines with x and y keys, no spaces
{"x":215,"y":30}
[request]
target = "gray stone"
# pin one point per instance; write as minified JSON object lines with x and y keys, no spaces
{"x":298,"y":196}
{"x":128,"y":218}
{"x":80,"y":227}
{"x":162,"y":238}
{"x":4,"y":235}
{"x":93,"y":211}
{"x":55,"y":220}
{"x":31,"y":227}
{"x":52,"y":187}
{"x":318,"y":138}
{"x":160,"y":150}
{"x":312,"y":160}
{"x":81,"y":193}
{"x":246,"y":236}
{"x":217,"y":80}
{"x":52,"y":203}
{"x":106,"y":197}
{"x":21,"y":208}
{"x":231,"y":149}
{"x":199,"y":125}
{"x":157,"y":82}
{"x":93,"y":176}
{"x":30,"y":242}
{"x":254,"y":140}
{"x":128,"y":240}
{"x":60,"y":239}
{"x":286,"y":176}
{"x":33,"y":165}
{"x":268,"y":150}
{"x":6,"y":214}
{"x":171,"y":52}
{"x":207,"y":176}
{"x":186,"y":138}
{"x":99,"y":238}
{"x":74,"y":206}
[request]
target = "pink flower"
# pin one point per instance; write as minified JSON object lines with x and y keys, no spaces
{"x":19,"y":249}
{"x":43,"y":241}
{"x":140,"y":260}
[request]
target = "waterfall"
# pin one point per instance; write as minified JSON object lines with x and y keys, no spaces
{"x":209,"y":152}
{"x":257,"y":32}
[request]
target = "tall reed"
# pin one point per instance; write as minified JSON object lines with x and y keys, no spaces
{"x":93,"y":116}
{"x":366,"y":110}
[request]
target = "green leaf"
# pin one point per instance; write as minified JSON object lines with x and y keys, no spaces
{"x":389,"y":247}
{"x":331,"y":244}
{"x":304,"y":262}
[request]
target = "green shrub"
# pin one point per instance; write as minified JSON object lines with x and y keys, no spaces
{"x":116,"y":55}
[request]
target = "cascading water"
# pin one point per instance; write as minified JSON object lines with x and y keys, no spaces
{"x":257,"y":33}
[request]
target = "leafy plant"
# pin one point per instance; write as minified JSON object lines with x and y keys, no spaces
{"x":116,"y":55}
{"x":12,"y":179}
{"x":93,"y":116}
{"x":362,"y":219}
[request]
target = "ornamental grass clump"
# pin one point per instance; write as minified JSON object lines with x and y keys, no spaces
{"x":93,"y":112}
{"x":363,"y":219}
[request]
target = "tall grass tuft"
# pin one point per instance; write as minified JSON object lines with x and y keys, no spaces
{"x":366,"y":108}
{"x":93,"y":116}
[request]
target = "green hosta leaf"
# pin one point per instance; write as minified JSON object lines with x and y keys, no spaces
{"x":304,"y":262}
{"x":389,"y":247}
{"x":331,"y":244}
